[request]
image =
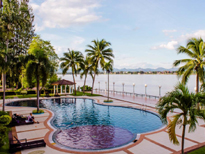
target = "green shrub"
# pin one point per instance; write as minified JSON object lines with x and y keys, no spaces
{"x":7,"y":93}
{"x":31,"y":92}
{"x":3,"y":113}
{"x":87,"y":88}
{"x":18,"y":92}
{"x":5,"y":119}
{"x":35,"y":111}
{"x":3,"y":135}
{"x":106,"y":101}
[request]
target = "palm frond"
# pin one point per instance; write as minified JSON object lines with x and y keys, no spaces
{"x":171,"y":129}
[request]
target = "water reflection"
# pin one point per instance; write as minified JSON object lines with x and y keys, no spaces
{"x":93,"y":137}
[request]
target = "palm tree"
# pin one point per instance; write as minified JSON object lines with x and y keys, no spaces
{"x":195,"y":49}
{"x":86,"y":68}
{"x":108,"y":68}
{"x":98,"y":53}
{"x":38,"y":67}
{"x":73,"y":60}
{"x":181,"y":99}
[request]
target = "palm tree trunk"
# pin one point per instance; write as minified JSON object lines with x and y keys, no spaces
{"x":74,"y":82}
{"x":197,"y":87}
{"x":197,"y":83}
{"x":183,"y":135}
{"x":37,"y":91}
{"x":93,"y":84}
{"x":108,"y":87}
{"x":4,"y":90}
{"x":4,"y":77}
{"x":84,"y":83}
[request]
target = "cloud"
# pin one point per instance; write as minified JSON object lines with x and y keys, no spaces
{"x":60,"y":50}
{"x":166,"y":32}
{"x":197,"y":34}
{"x":76,"y":43}
{"x":64,"y":13}
{"x":169,"y":31}
{"x":170,"y":45}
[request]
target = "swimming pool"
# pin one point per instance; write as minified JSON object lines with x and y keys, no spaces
{"x":83,"y":124}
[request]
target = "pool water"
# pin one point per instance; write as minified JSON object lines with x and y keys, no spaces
{"x":83,"y":124}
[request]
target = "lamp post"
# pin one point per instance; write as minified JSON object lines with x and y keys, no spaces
{"x":133,"y":88}
{"x":160,"y":91}
{"x":195,"y":89}
{"x":113,"y":87}
{"x":145,"y":90}
{"x":123,"y":88}
{"x":105,"y":86}
{"x":99,"y":85}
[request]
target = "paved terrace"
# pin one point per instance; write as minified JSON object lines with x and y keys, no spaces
{"x":155,"y":142}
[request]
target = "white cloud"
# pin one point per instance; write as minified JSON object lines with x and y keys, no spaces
{"x":197,"y":34}
{"x":76,"y":43}
{"x":167,"y":32}
{"x":64,"y":13}
{"x":170,"y":45}
{"x":183,"y":38}
{"x":60,"y":50}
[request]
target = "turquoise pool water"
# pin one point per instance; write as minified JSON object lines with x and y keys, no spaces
{"x":83,"y":124}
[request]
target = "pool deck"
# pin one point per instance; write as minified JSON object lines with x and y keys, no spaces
{"x":156,"y":142}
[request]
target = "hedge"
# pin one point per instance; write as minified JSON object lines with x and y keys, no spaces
{"x":28,"y":92}
{"x":8,"y":93}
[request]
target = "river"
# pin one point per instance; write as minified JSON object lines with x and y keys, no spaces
{"x":153,"y":81}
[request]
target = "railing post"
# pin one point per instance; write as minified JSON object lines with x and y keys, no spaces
{"x":160,"y":91}
{"x":99,"y":85}
{"x":133,"y":88}
{"x":145,"y":90}
{"x":123,"y":88}
{"x":105,"y":87}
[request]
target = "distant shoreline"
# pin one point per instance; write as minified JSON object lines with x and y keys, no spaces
{"x":123,"y":74}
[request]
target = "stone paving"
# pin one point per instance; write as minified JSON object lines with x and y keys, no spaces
{"x":149,"y":143}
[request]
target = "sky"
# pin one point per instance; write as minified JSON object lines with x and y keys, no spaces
{"x":142,"y":33}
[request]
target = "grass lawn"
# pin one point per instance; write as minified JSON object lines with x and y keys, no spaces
{"x":198,"y":151}
{"x":85,"y":94}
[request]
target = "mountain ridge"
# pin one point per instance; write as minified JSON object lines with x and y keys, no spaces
{"x":159,"y":69}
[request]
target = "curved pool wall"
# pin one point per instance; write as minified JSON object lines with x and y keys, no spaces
{"x":75,"y":114}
